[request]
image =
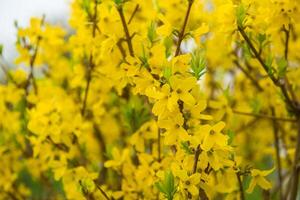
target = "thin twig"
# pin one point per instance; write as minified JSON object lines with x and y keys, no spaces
{"x":102,"y":191}
{"x":196,"y":158}
{"x":126,"y":31}
{"x":242,"y":194}
{"x":32,"y":62}
{"x":7,"y":74}
{"x":295,"y":173}
{"x":182,"y":33}
{"x":198,"y":151}
{"x":277,"y":151}
{"x":133,"y":13}
{"x":264,"y":116}
{"x":286,"y":55}
{"x":294,"y":108}
{"x":252,"y":79}
{"x":277,"y":82}
{"x":158,"y":144}
{"x":91,"y":64}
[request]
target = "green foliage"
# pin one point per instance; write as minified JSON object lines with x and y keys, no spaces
{"x":198,"y":64}
{"x":186,"y":148}
{"x":241,"y":15}
{"x":281,"y":67}
{"x":135,"y":114}
{"x":87,"y":185}
{"x":151,"y":34}
{"x":1,"y":49}
{"x":167,"y":73}
{"x":255,"y":104}
{"x":168,"y":43}
{"x":230,"y":134}
{"x":167,"y":186}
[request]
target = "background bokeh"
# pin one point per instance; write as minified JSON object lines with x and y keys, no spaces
{"x":56,"y":11}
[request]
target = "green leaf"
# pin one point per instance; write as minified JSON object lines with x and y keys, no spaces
{"x":198,"y":64}
{"x":186,"y":148}
{"x":255,"y":104}
{"x":230,"y":134}
{"x":88,"y":185}
{"x":144,"y":59}
{"x":261,"y":38}
{"x":168,"y":43}
{"x":269,"y":63}
{"x":151,"y":34}
{"x":167,"y":186}
{"x":241,"y":15}
{"x":281,"y":67}
{"x":86,"y":4}
{"x":1,"y":49}
{"x":167,"y":73}
{"x":135,"y":113}
{"x":118,"y":2}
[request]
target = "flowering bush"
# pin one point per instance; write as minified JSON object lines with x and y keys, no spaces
{"x":155,"y":99}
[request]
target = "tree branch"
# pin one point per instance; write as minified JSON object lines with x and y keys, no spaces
{"x":91,"y":64}
{"x":264,"y":116}
{"x":182,"y":33}
{"x":126,"y":30}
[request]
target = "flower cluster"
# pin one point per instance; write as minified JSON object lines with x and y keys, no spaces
{"x":154,"y":99}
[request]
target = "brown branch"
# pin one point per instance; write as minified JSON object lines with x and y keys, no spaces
{"x":277,"y":151}
{"x":251,"y":78}
{"x":126,"y":31}
{"x":242,"y":194}
{"x":102,"y":191}
{"x":294,"y":106}
{"x":91,"y":64}
{"x":286,"y":53}
{"x":32,"y":62}
{"x":7,"y":74}
{"x":196,"y":158}
{"x":277,"y":82}
{"x":133,"y":14}
{"x":158,"y":144}
{"x":182,"y":33}
{"x":286,"y":43}
{"x":202,"y":193}
{"x":295,"y":173}
{"x":264,"y":116}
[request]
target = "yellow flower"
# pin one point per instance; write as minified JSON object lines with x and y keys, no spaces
{"x":188,"y":183}
{"x":258,"y":178}
{"x":174,"y":130}
{"x":212,"y":135}
{"x":118,"y":158}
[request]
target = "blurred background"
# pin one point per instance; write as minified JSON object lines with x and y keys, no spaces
{"x":56,"y":11}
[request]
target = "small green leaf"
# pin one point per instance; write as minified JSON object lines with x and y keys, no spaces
{"x":198,"y":64}
{"x":144,"y":59}
{"x":261,"y":38}
{"x":241,"y":15}
{"x":151,"y":34}
{"x":186,"y":148}
{"x":167,"y":186}
{"x":281,"y":67}
{"x":168,"y":43}
{"x":1,"y":49}
{"x":135,"y":114}
{"x":88,"y":185}
{"x":230,"y":134}
{"x":86,"y":5}
{"x":255,"y":104}
{"x":269,"y":63}
{"x":167,"y":73}
{"x":118,"y":2}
